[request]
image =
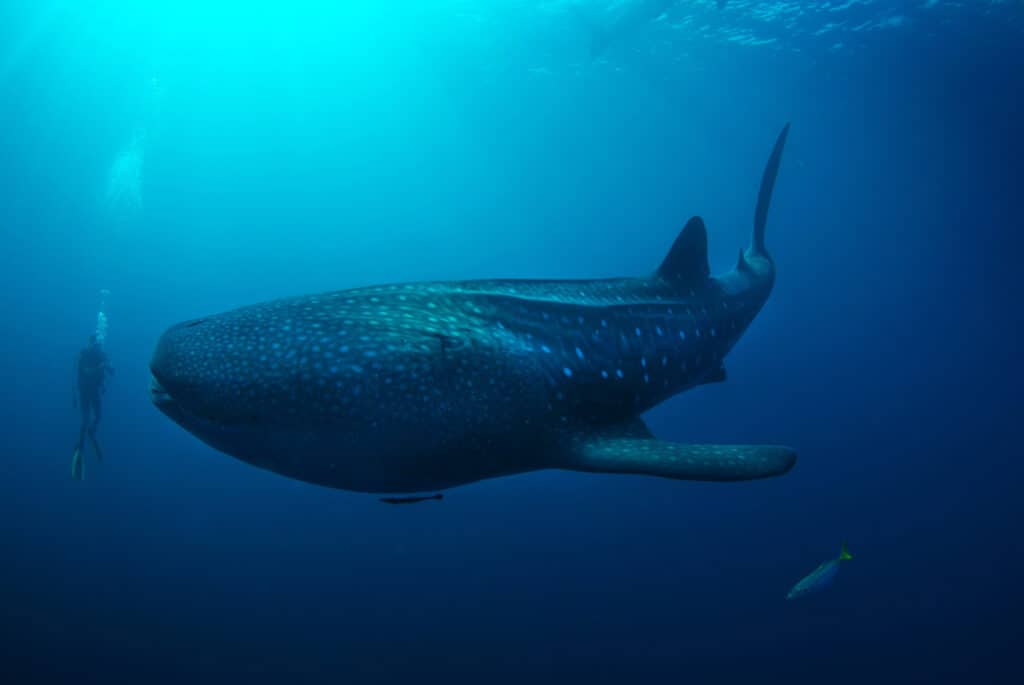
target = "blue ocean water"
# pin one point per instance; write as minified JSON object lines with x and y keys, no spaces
{"x":192,"y":157}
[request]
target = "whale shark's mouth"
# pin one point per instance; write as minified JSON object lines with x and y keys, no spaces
{"x":157,"y":392}
{"x":163,"y":400}
{"x":186,"y":413}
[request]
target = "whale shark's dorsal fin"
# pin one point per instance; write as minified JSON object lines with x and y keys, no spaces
{"x":687,"y":261}
{"x":624,"y":448}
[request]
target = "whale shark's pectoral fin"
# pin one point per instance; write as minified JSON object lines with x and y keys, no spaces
{"x":624,"y":452}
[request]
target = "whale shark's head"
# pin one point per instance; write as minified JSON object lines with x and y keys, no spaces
{"x":243,"y":382}
{"x":197,"y":384}
{"x":295,"y":379}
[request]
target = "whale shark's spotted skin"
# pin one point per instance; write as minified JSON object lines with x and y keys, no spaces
{"x":402,"y":388}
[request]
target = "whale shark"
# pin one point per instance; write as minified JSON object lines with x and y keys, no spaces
{"x":417,"y":387}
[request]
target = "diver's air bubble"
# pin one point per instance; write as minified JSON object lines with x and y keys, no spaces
{"x":124,"y":182}
{"x":101,"y":318}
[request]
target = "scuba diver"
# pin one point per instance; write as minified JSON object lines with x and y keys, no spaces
{"x":88,"y":385}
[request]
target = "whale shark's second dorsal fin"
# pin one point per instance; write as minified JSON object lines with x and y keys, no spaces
{"x":687,"y":261}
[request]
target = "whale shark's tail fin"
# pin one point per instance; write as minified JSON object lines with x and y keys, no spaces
{"x":764,"y":197}
{"x":687,"y":262}
{"x":631,"y":449}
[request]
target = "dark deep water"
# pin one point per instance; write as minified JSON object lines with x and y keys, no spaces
{"x":288,"y":149}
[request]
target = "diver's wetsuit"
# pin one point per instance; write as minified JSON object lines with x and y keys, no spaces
{"x":91,"y":374}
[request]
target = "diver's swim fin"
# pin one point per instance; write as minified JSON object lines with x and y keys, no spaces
{"x":623,"y":450}
{"x":77,"y":465}
{"x":96,"y":448}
